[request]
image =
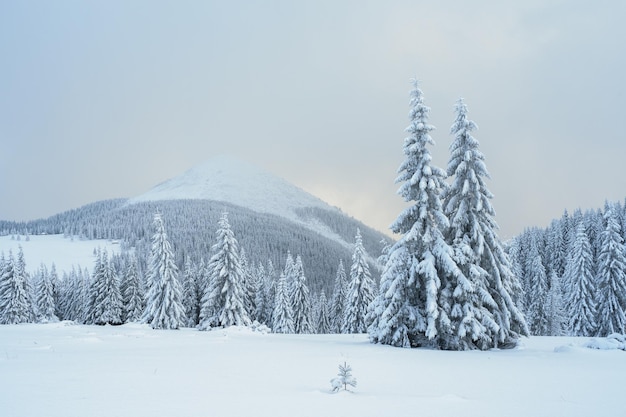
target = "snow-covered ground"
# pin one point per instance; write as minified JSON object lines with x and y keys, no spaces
{"x":70,"y":370}
{"x":64,"y":252}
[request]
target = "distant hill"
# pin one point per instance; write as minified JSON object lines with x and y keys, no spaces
{"x":269,"y":217}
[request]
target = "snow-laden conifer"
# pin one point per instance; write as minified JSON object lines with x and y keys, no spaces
{"x":190,"y":294}
{"x":133,"y":291}
{"x":45,"y":293}
{"x":555,"y":308}
{"x":269,"y":290}
{"x":260,"y":299}
{"x":360,"y":290}
{"x":250,"y":284}
{"x":224,"y":298}
{"x":338,"y":302}
{"x":537,"y":312}
{"x":300,"y":300}
{"x":322,"y":325}
{"x":106,"y":297}
{"x":483,"y":307}
{"x":164,"y":308}
{"x":282,"y":316}
{"x":15,"y":303}
{"x":411,"y":282}
{"x":611,"y":277}
{"x":581,"y":303}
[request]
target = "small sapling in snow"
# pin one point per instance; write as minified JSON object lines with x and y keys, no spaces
{"x":343,"y":379}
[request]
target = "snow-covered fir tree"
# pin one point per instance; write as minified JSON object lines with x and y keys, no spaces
{"x":611,"y":278}
{"x":581,"y":303}
{"x":15,"y":303}
{"x":300,"y":300}
{"x":537,"y":312}
{"x":282,"y":316}
{"x":250,"y":285}
{"x":190,"y":294}
{"x":483,"y":312}
{"x":322,"y":324}
{"x":338,"y":301}
{"x":133,"y":291}
{"x":223,"y":303}
{"x":269,"y":290}
{"x":45,"y":292}
{"x":360,"y":292}
{"x":164,"y":308}
{"x":554,"y":306}
{"x":259,"y":297}
{"x":106,"y":297}
{"x":407,"y":310}
{"x":290,"y":272}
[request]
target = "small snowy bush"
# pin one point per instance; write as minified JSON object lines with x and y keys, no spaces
{"x":343,"y":379}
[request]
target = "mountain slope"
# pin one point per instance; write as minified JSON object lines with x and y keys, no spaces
{"x":268,"y":215}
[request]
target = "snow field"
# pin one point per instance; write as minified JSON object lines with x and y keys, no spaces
{"x":64,"y":252}
{"x":61,"y":369}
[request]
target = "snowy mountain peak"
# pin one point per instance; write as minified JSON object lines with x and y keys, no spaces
{"x":231,"y":180}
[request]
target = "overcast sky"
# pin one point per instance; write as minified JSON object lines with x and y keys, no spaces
{"x":102,"y":100}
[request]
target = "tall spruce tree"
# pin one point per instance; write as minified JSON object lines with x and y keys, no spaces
{"x":223,"y":303}
{"x":581,"y":303}
{"x":408,"y":304}
{"x":190,"y":294}
{"x":300,"y":300}
{"x":106,"y":297}
{"x":555,"y":309}
{"x":611,"y":277}
{"x":483,"y":308}
{"x":360,"y":290}
{"x":15,"y":303}
{"x":133,"y":291}
{"x":338,"y":301}
{"x":164,"y":308}
{"x":45,"y":292}
{"x":282,"y":316}
{"x":323,"y":324}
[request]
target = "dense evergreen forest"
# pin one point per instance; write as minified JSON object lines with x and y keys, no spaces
{"x":191,"y":228}
{"x":573,"y":273}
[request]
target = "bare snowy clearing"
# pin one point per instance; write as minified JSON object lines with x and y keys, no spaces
{"x":63,"y":252}
{"x":68,"y":370}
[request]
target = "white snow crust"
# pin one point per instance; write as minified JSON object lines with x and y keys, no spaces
{"x":66,"y":370}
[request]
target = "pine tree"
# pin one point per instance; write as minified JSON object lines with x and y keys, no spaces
{"x":270,"y":291}
{"x":190,"y":294}
{"x":483,"y":312}
{"x":338,"y":301}
{"x":106,"y":298}
{"x":323,"y":320}
{"x":537,"y":309}
{"x":300,"y":300}
{"x":46,"y":305}
{"x":611,"y":277}
{"x":554,"y":306}
{"x":223,"y":301}
{"x":133,"y":292}
{"x":282,"y":316}
{"x":344,"y":378}
{"x":260,"y":300}
{"x":15,"y":305}
{"x":360,"y":290}
{"x":164,"y":308}
{"x":581,"y":304}
{"x":408,"y":303}
{"x":250,"y":286}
